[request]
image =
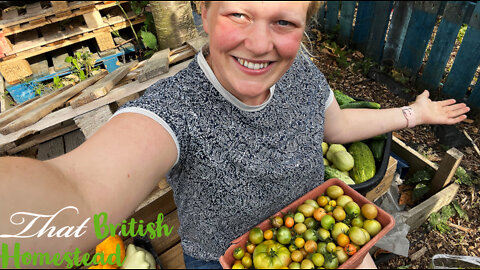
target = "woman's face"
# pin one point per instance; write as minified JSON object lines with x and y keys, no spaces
{"x":252,"y":44}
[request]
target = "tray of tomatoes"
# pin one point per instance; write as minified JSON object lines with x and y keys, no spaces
{"x":332,"y":226}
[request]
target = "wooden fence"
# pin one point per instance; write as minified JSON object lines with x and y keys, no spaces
{"x":397,"y":33}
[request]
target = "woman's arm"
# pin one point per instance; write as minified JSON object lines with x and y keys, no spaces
{"x":349,"y":125}
{"x":111,"y":172}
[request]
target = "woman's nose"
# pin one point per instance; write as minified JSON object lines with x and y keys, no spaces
{"x":259,"y":39}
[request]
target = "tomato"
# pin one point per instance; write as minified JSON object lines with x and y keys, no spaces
{"x":350,"y":249}
{"x":343,"y":200}
{"x":328,"y":208}
{"x":307,"y":264}
{"x":372,"y":227}
{"x":322,"y":248}
{"x":352,"y":209}
{"x":289,"y":222}
{"x":331,"y":247}
{"x":299,"y":218}
{"x":339,"y":214}
{"x":339,"y":228}
{"x":341,"y":255}
{"x":306,"y":209}
{"x":247,"y":261}
{"x":369,"y":211}
{"x":357,"y":222}
{"x":327,"y":222}
{"x":284,"y":235}
{"x":312,"y":203}
{"x":319,"y":213}
{"x":304,"y":252}
{"x":343,"y":240}
{"x":238,"y":253}
{"x":318,"y":259}
{"x":292,"y":248}
{"x":322,"y":201}
{"x":294,"y":265}
{"x":331,"y":262}
{"x":277,"y":221}
{"x":255,"y":236}
{"x":334,"y":191}
{"x":250,"y":247}
{"x":300,"y":228}
{"x":367,"y":235}
{"x":299,"y":242}
{"x":357,"y":236}
{"x":310,"y":246}
{"x":310,"y":235}
{"x":311,"y":223}
{"x":238,"y":265}
{"x":297,"y":256}
{"x":332,"y":203}
{"x":323,"y":234}
{"x":271,"y":255}
{"x":268,"y":234}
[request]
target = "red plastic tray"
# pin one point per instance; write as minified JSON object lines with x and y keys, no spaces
{"x":383,"y":217}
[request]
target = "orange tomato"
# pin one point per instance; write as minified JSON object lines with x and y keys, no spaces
{"x":310,"y":246}
{"x":289,"y":222}
{"x":297,"y":256}
{"x":304,"y":252}
{"x":319,"y":213}
{"x":268,"y":234}
{"x":343,"y":240}
{"x":322,"y":201}
{"x":250,"y":247}
{"x":299,"y":242}
{"x":350,"y":249}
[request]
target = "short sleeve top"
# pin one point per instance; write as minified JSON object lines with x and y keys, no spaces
{"x":237,"y":164}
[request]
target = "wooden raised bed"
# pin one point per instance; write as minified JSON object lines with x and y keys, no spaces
{"x":442,"y":190}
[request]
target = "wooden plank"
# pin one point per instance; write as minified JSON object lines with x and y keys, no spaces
{"x":51,"y":149}
{"x":91,"y":121}
{"x":103,"y":86}
{"x":33,"y":8}
{"x":5,"y":99}
{"x":164,"y":243}
{"x":5,"y":45}
{"x":173,"y":258}
{"x":442,"y":46}
{"x":73,"y":139}
{"x":63,"y":43}
{"x":402,"y":11}
{"x":346,"y":22}
{"x":27,"y":40}
{"x":474,"y":98}
{"x":69,"y":113}
{"x":332,"y":15}
{"x":415,"y":160}
{"x":9,"y":14}
{"x":104,"y":41}
{"x":26,"y":107}
{"x":14,"y":71}
{"x":466,"y":60}
{"x":321,"y":15}
{"x":59,"y":6}
{"x":40,"y":111}
{"x":416,"y":216}
{"x":419,"y":31}
{"x":43,"y":137}
{"x":446,"y":170}
{"x":386,"y":182}
{"x":363,"y":23}
{"x":93,"y":19}
{"x":376,"y":39}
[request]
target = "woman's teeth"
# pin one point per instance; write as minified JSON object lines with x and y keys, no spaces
{"x":250,"y":65}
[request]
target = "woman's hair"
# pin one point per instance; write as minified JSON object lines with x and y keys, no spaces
{"x":312,"y":9}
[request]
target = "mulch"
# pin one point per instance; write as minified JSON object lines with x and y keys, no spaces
{"x":464,"y":237}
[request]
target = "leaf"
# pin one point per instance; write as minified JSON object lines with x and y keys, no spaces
{"x":419,"y":191}
{"x":461,"y":213}
{"x":149,"y":40}
{"x":68,"y":59}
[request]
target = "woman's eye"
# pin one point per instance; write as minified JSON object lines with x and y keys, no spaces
{"x":237,"y":15}
{"x":284,"y":23}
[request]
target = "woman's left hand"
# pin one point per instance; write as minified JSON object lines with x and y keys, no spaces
{"x":446,"y":112}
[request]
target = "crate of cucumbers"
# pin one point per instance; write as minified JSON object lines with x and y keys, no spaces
{"x":363,"y":164}
{"x":332,"y":226}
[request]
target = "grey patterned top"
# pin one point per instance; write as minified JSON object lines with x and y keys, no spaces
{"x":237,"y":165}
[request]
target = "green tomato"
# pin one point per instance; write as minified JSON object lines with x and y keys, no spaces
{"x":299,"y":218}
{"x":284,"y":235}
{"x":238,"y":253}
{"x":271,"y":255}
{"x":318,"y":259}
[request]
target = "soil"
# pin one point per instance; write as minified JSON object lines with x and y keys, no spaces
{"x":463,"y":238}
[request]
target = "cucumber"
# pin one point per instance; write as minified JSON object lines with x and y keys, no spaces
{"x":364,"y":163}
{"x":360,"y":104}
{"x":334,"y":173}
{"x":377,"y":147}
{"x":342,"y":98}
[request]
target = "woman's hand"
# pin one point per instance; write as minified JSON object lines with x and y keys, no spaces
{"x":438,"y":112}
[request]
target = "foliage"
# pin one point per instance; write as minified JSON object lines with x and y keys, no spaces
{"x":465,"y":178}
{"x":57,"y":82}
{"x":420,"y":176}
{"x":82,"y":64}
{"x":439,"y":220}
{"x":364,"y":65}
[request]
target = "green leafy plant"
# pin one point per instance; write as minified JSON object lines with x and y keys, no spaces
{"x":57,"y":82}
{"x":465,"y":178}
{"x":82,"y":63}
{"x":439,"y":220}
{"x":364,"y":65}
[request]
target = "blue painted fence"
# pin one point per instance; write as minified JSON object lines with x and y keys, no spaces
{"x":405,"y":45}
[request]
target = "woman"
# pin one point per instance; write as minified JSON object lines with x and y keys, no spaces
{"x":238,"y":134}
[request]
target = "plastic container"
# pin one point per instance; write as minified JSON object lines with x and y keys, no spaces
{"x":368,"y":185}
{"x":385,"y":219}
